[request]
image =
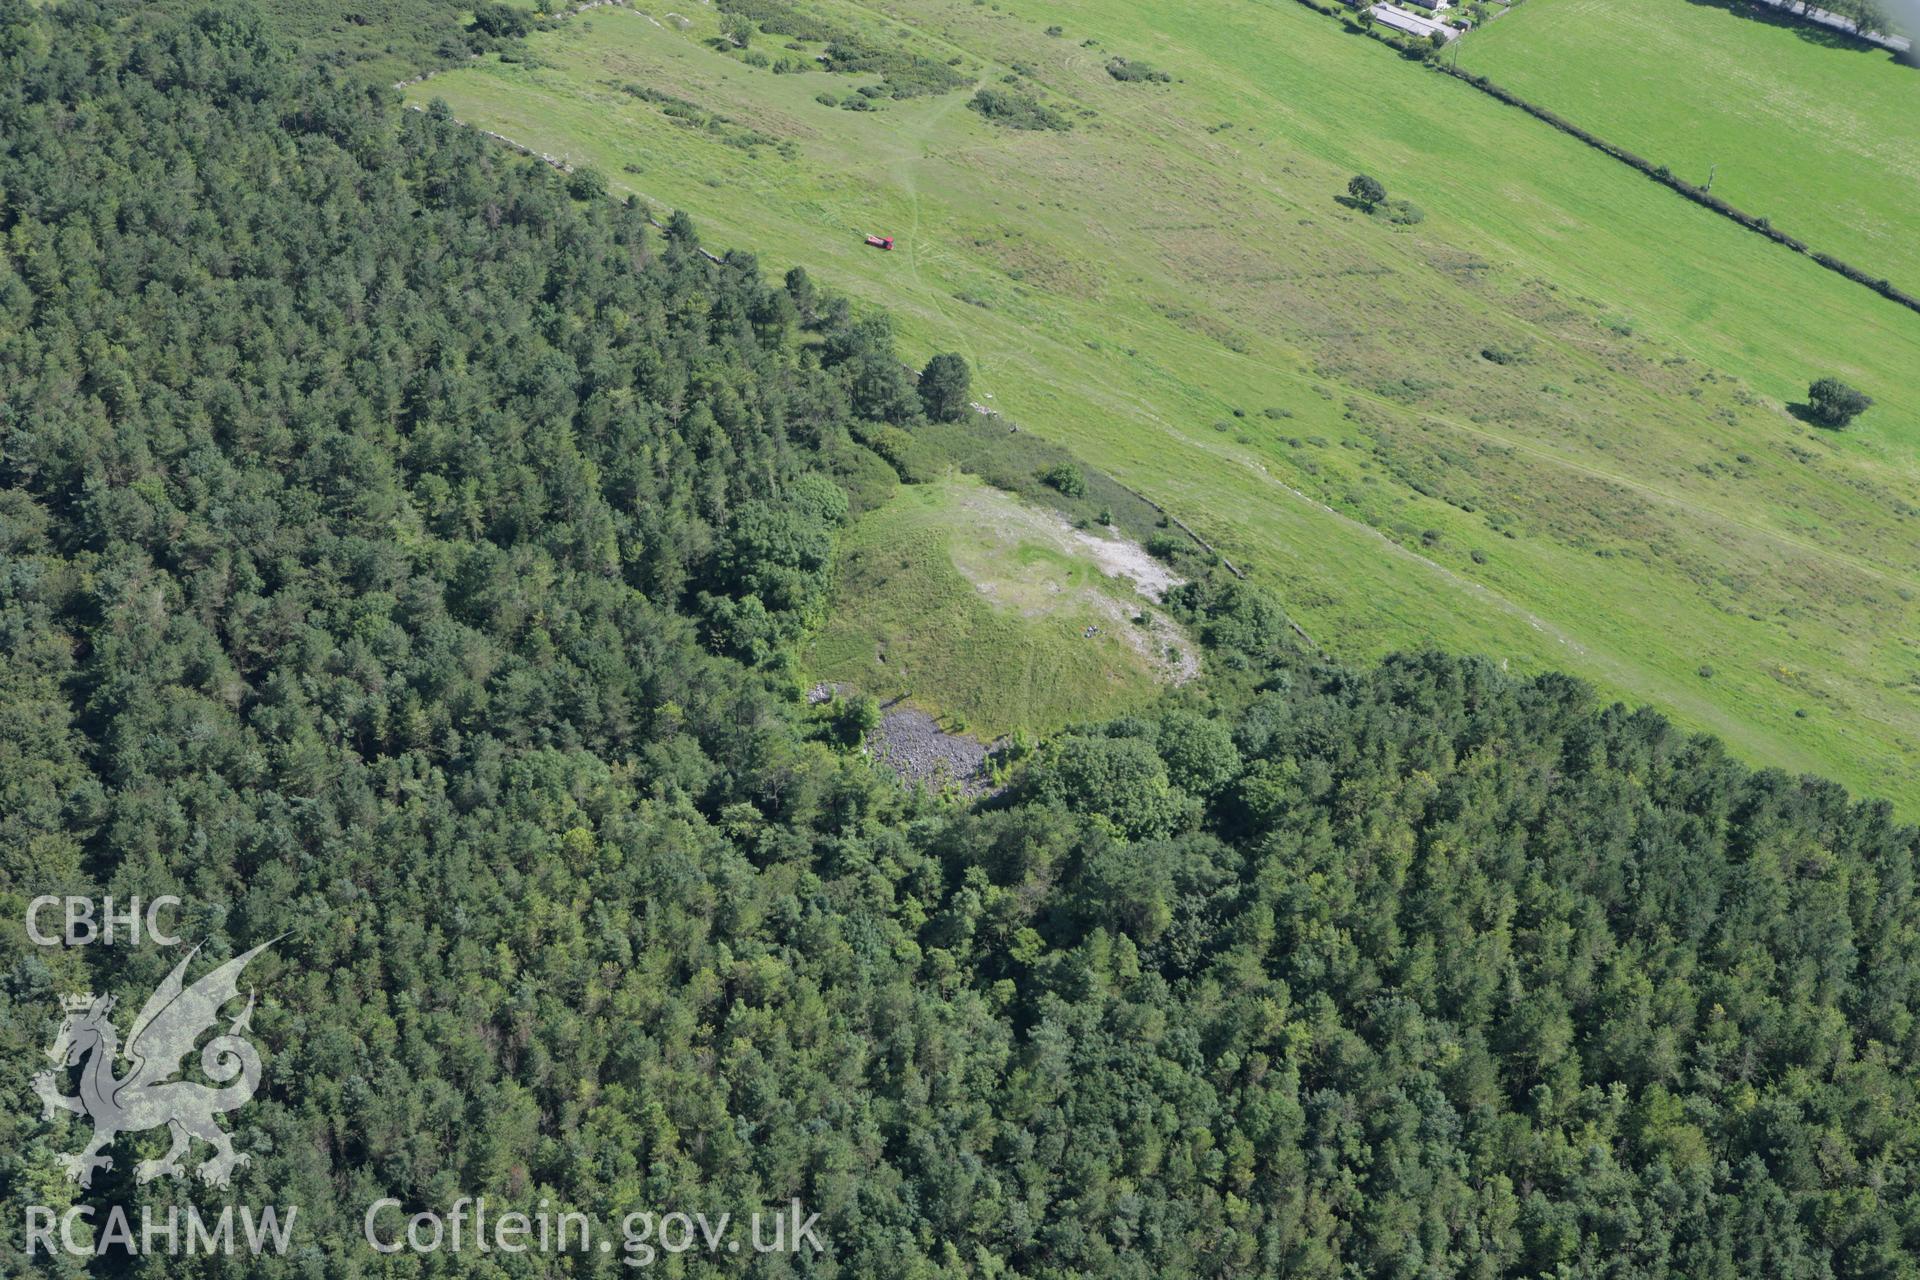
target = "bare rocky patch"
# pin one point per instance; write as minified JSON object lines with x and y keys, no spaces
{"x":913,"y":745}
{"x":1136,"y":581}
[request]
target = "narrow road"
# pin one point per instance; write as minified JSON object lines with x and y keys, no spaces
{"x":1898,"y":43}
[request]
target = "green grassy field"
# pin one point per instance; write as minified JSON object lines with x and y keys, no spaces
{"x":1804,"y":126}
{"x":1548,"y":423}
{"x":975,"y":607}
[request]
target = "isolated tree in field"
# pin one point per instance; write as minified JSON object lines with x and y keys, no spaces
{"x":945,"y":386}
{"x":1832,"y":403}
{"x":738,"y":29}
{"x":1366,"y":191}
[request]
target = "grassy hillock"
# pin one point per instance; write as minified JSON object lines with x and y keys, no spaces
{"x":974,"y":605}
{"x":1549,"y":423}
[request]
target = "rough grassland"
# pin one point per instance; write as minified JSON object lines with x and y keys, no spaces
{"x":974,"y":606}
{"x":1817,"y":132}
{"x":1546,"y":424}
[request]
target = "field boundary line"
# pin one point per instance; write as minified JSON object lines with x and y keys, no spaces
{"x":1699,"y":195}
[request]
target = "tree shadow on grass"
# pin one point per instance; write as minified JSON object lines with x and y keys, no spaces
{"x":1806,"y":28}
{"x":1803,"y":412}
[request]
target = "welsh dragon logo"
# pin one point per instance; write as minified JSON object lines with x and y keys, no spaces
{"x":145,"y":1098}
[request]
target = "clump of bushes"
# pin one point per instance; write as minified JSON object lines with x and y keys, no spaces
{"x":905,"y":74}
{"x":501,"y":21}
{"x":1165,"y":546}
{"x":1130,"y":71}
{"x":1066,"y":478}
{"x":1017,"y":110}
{"x":693,"y":115}
{"x":586,"y":183}
{"x":1369,"y":195}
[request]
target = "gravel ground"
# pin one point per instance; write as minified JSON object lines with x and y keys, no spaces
{"x":914,"y":746}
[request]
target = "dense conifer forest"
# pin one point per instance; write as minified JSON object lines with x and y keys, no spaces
{"x":404,"y":558}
